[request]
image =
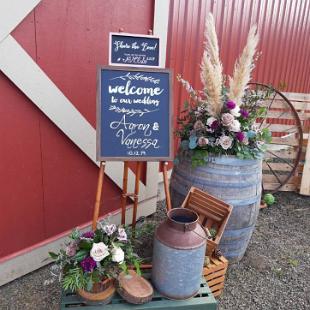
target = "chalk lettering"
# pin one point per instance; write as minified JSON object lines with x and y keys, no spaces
{"x":134,"y":90}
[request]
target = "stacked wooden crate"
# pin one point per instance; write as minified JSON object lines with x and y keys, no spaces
{"x":213,"y":214}
{"x":215,"y":273}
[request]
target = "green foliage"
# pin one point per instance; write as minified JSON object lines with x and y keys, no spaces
{"x":293,"y":262}
{"x":269,"y":199}
{"x":53,"y":255}
{"x":213,"y":232}
{"x":74,"y":279}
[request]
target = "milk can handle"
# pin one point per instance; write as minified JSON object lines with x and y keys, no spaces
{"x":206,"y":230}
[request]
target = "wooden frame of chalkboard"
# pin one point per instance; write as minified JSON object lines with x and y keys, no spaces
{"x":137,"y":55}
{"x":165,"y":114}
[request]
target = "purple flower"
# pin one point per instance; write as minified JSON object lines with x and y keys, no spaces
{"x":240,"y":136}
{"x":230,"y":105}
{"x":88,"y":234}
{"x":244,"y":113}
{"x":215,"y":125}
{"x":88,"y":264}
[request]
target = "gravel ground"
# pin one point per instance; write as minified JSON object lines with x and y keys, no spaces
{"x":274,"y":274}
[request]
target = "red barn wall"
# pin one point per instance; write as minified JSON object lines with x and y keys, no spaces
{"x":47,"y":185}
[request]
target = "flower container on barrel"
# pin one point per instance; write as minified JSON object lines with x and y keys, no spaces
{"x":92,"y":261}
{"x":221,"y":148}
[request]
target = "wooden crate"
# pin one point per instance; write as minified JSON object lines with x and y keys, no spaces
{"x":213,"y":213}
{"x":204,"y":300}
{"x":215,"y":273}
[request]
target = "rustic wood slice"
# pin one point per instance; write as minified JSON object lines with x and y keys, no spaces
{"x":134,"y":289}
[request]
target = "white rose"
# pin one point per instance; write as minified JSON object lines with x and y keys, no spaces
{"x":118,"y":255}
{"x":99,"y":251}
{"x":225,"y":142}
{"x":235,"y":126}
{"x":235,"y":111}
{"x":210,"y":121}
{"x":227,"y":119}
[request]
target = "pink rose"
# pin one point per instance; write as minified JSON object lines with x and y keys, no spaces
{"x":225,"y":142}
{"x":227,"y":119}
{"x":71,"y":249}
{"x":203,"y":141}
{"x":199,"y":125}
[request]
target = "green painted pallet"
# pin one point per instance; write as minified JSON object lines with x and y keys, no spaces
{"x":204,"y":300}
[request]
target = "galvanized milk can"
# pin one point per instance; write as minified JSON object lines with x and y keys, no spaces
{"x":178,"y":254}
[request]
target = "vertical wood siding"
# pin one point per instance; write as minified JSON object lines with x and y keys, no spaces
{"x":284,"y":28}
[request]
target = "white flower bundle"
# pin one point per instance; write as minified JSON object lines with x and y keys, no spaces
{"x":211,"y":69}
{"x":243,"y":68}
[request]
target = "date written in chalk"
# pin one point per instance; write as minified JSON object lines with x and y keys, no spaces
{"x":136,"y":153}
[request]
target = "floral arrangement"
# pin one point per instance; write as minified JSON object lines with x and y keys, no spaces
{"x":221,"y":119}
{"x":90,"y":257}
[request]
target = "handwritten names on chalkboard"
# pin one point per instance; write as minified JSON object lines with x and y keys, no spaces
{"x":134,"y":114}
{"x":133,"y":50}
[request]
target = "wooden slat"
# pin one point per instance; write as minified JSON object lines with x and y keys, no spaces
{"x":305,"y":181}
{"x":298,"y":105}
{"x":216,"y":202}
{"x":204,"y":212}
{"x":217,"y":292}
{"x":207,"y":205}
{"x":284,"y":188}
{"x":270,"y":178}
{"x":297,"y":97}
{"x":215,"y":275}
{"x":216,"y":281}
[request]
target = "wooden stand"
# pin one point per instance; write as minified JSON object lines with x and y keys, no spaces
{"x":125,"y":194}
{"x":98,"y":195}
{"x":166,"y":186}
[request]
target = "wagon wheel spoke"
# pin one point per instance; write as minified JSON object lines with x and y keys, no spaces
{"x":273,"y":172}
{"x":283,"y":159}
{"x":269,"y":106}
{"x":278,"y":116}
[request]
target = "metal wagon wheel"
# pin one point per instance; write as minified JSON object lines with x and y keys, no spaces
{"x":283,"y":154}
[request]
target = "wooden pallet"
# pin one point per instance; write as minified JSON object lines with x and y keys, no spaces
{"x":215,"y":273}
{"x":280,"y":121}
{"x":204,"y":300}
{"x":213,"y":213}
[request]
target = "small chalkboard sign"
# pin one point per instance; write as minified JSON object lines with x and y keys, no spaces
{"x":134,"y":114}
{"x":134,"y":50}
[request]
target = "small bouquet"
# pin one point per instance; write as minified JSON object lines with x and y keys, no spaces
{"x":220,"y":119}
{"x":91,"y":257}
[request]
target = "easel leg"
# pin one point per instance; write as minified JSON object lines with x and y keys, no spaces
{"x":124,"y":194}
{"x":136,"y":194}
{"x":166,"y":186}
{"x":98,"y":195}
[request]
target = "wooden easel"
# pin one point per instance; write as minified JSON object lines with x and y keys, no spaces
{"x":125,"y":194}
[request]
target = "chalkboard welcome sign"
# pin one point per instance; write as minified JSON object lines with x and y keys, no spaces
{"x":133,"y":50}
{"x":134,"y":114}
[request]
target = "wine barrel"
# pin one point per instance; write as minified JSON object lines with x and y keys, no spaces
{"x":235,"y":181}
